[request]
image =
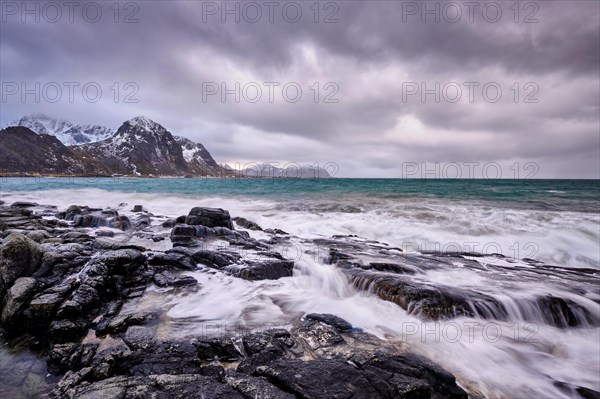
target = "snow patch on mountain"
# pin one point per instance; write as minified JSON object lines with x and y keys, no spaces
{"x":69,"y":134}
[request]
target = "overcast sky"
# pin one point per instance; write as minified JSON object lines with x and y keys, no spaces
{"x":362,"y":68}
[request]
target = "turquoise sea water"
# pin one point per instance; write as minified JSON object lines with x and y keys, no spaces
{"x":575,"y":195}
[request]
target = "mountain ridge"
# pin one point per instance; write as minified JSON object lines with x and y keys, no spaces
{"x":68,"y":133}
{"x":139,"y":147}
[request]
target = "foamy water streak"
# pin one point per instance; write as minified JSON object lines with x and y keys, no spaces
{"x":565,"y":238}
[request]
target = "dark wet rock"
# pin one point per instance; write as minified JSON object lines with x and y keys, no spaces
{"x":124,"y":262}
{"x":390,"y":267}
{"x":587,"y":393}
{"x":67,"y":330}
{"x":109,"y":213}
{"x":276,"y":232}
{"x":262,"y":342}
{"x":24,"y":204}
{"x":249,"y":243}
{"x":263,"y":348}
{"x":186,"y":235}
{"x":268,"y":269}
{"x":168,"y":279}
{"x":209,"y":217}
{"x":219,"y":348}
{"x":337,"y":379}
{"x":430,"y":301}
{"x":105,"y":233}
{"x":141,"y":221}
{"x":101,"y":244}
{"x":256,"y":387}
{"x":72,"y":211}
{"x":216,"y":259}
{"x":271,"y":254}
{"x":21,"y":219}
{"x":60,"y":259}
{"x":19,"y":257}
{"x":335,"y":321}
{"x":175,"y":357}
{"x":562,"y":312}
{"x":70,"y":356}
{"x":76,"y":237}
{"x":214,"y":369}
{"x":121,"y":222}
{"x":159,"y":386}
{"x":42,"y":308}
{"x":102,"y":279}
{"x":231,"y":234}
{"x":92,"y":221}
{"x":139,"y":337}
{"x":138,"y":208}
{"x":247,"y":224}
{"x":16,"y":298}
{"x":38,"y":235}
{"x":171,"y":259}
{"x":180,"y":219}
{"x":183,"y":230}
{"x":409,"y":367}
{"x":121,"y":322}
{"x":319,"y":335}
{"x":168,"y":223}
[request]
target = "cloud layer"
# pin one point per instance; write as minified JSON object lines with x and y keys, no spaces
{"x":383,"y":83}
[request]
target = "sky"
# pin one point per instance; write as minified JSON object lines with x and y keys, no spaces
{"x":376,"y":89}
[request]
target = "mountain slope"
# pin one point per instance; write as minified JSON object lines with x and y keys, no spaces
{"x":68,"y":133}
{"x":24,"y":151}
{"x":139,"y":147}
{"x":198,"y":158}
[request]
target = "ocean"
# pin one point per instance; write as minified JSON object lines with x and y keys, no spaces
{"x":511,"y":240}
{"x":554,"y":221}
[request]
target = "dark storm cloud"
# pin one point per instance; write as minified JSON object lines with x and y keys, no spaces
{"x":371,"y":54}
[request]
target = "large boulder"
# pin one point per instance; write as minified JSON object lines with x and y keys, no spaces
{"x":19,"y":257}
{"x":18,"y":295}
{"x":209,"y":217}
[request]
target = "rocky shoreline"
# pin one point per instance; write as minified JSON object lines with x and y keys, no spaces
{"x":70,"y":279}
{"x":65,"y":285}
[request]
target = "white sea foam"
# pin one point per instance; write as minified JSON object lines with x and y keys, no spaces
{"x":568,"y":239}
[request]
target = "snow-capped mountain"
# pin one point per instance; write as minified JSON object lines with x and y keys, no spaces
{"x":143,"y":147}
{"x":68,"y":133}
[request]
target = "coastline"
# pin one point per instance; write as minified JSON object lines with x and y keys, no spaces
{"x":176,"y":273}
